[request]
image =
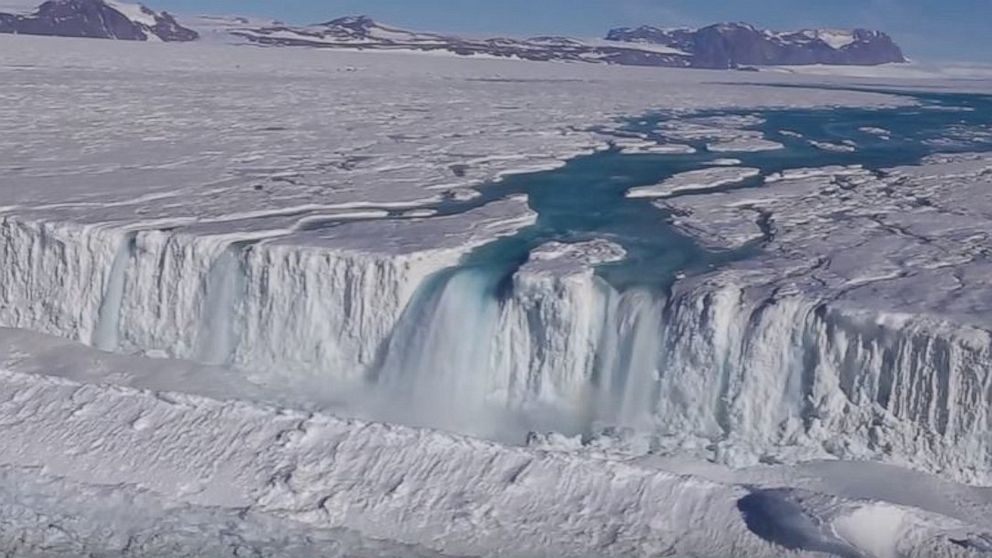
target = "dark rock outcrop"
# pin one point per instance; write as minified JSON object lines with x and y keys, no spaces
{"x":731,"y":45}
{"x":97,"y":19}
{"x":727,"y":45}
{"x":362,"y":33}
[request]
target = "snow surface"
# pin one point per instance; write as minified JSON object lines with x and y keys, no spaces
{"x":896,"y":71}
{"x":179,"y":176}
{"x":204,"y":473}
{"x":844,"y":274}
{"x":135,"y":12}
{"x":836,"y":38}
{"x":704,"y":179}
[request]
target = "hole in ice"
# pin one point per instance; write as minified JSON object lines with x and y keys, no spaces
{"x":778,"y":516}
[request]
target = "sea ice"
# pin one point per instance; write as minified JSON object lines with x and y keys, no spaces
{"x":694,"y":181}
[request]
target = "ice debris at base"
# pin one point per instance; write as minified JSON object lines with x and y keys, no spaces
{"x":279,"y":471}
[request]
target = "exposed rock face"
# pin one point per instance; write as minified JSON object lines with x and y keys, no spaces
{"x":97,"y":19}
{"x":730,"y":45}
{"x":363,"y":33}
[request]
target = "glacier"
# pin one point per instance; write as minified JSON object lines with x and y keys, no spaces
{"x":377,"y":331}
{"x":733,"y":370}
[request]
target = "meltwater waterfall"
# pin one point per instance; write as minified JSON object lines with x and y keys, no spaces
{"x":543,"y":354}
{"x":438,"y":358}
{"x":659,"y":339}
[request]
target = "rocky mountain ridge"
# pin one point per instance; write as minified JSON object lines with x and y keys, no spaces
{"x":98,"y":19}
{"x":721,"y":46}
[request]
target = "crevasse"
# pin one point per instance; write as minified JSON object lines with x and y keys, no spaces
{"x":737,"y":374}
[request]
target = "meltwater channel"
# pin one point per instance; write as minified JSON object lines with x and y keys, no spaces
{"x":484,"y":350}
{"x":486,"y":347}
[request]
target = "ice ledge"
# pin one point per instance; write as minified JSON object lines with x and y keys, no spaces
{"x":911,"y":239}
{"x":456,"y":495}
{"x":322,"y":302}
{"x":279,"y":469}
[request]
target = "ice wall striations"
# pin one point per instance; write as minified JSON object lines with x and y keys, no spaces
{"x":52,"y":276}
{"x":264,"y":307}
{"x":763,"y":370}
{"x":737,"y":374}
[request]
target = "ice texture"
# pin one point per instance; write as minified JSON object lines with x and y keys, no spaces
{"x":264,"y":306}
{"x":198,"y":463}
{"x":279,"y":241}
{"x":699,"y":180}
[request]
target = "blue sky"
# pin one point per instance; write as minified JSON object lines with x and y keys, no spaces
{"x":928,"y":29}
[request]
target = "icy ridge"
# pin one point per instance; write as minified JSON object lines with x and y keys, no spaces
{"x":265,"y":307}
{"x":762,"y":372}
{"x":198,"y":462}
{"x":734,"y":373}
{"x":456,"y":495}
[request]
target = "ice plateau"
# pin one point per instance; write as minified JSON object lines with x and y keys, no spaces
{"x":299,"y":306}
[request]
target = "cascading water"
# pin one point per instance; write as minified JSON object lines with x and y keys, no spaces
{"x":105,"y":335}
{"x":225,"y":286}
{"x":496,"y":347}
{"x":438,"y":357}
{"x":632,"y":358}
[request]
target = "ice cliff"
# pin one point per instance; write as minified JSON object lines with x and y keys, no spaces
{"x":738,"y":366}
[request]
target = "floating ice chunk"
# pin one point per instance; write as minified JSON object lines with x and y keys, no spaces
{"x":834,"y":147}
{"x":729,"y":121}
{"x":745,"y":145}
{"x":420,"y":213}
{"x":725,"y":162}
{"x":705,"y":179}
{"x":665,"y":149}
{"x":800,"y":174}
{"x":880,"y":132}
{"x":462,"y":194}
{"x":644,"y":146}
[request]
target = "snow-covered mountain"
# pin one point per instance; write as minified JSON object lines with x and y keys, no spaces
{"x":725,"y":45}
{"x":360,"y":32}
{"x":101,"y":19}
{"x":729,"y":45}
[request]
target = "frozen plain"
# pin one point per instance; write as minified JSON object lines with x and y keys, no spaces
{"x":138,"y":176}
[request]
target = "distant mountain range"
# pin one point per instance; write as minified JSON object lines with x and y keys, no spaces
{"x":98,"y":19}
{"x":728,"y":45}
{"x":362,"y":33}
{"x":721,"y":46}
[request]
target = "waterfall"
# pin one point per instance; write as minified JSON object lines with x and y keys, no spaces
{"x":437,"y":361}
{"x":107,"y":330}
{"x":225,"y":289}
{"x":732,"y":373}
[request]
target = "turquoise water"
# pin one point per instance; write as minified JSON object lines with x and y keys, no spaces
{"x":443,"y":338}
{"x":439,"y":357}
{"x":585,"y":199}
